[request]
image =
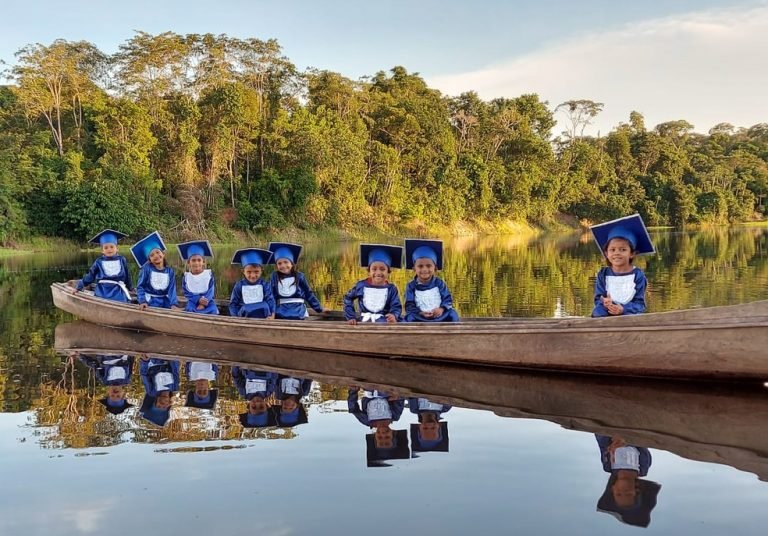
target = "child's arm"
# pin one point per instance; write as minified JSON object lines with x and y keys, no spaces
{"x":637,"y":305}
{"x":90,"y":276}
{"x":126,"y":274}
{"x":141,"y":294}
{"x":600,"y":290}
{"x":395,"y":307}
{"x":446,"y":299}
{"x":349,"y":304}
{"x":411,"y":309}
{"x":269,"y":297}
{"x":308,"y":294}
{"x":144,"y":371}
{"x":172,"y":297}
{"x":211,"y":289}
{"x":235,"y":302}
{"x":397,"y":407}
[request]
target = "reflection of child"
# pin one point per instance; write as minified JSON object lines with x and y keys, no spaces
{"x":252,"y":295}
{"x":427,"y":298}
{"x":110,"y":271}
{"x":160,"y":378}
{"x":629,"y":498}
{"x":377,"y":298}
{"x":157,"y":280}
{"x":201,"y":375}
{"x":620,"y":286}
{"x":114,"y":371}
{"x":198,"y":282}
{"x":255,"y":386}
{"x":290,"y":391}
{"x":289,"y":285}
{"x":378,"y":410}
{"x":430,"y":434}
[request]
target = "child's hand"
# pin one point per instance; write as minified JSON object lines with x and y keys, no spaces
{"x":615,"y":309}
{"x":437,"y":312}
{"x":352,"y":321}
{"x":271,"y":317}
{"x":175,"y":308}
{"x":427,"y":314}
{"x":203,"y":301}
{"x":200,"y":307}
{"x":391,"y":319}
{"x":142,"y":307}
{"x":607,"y":301}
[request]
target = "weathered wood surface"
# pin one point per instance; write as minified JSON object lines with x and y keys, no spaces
{"x":717,"y":342}
{"x":718,"y":423}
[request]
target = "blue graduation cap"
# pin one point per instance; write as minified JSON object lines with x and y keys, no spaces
{"x":284,"y":250}
{"x":259,"y":420}
{"x":630,"y":228}
{"x":144,"y":247}
{"x":247,"y":256}
{"x":392,"y":256}
{"x":151,"y":413}
{"x":416,"y":248}
{"x":107,"y":236}
{"x":206,"y":402}
{"x":115,"y":407}
{"x":195,"y":247}
{"x":638,"y":513}
{"x":376,"y":456}
{"x":419,"y":444}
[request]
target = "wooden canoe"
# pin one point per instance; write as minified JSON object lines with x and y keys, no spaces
{"x":716,"y":423}
{"x":729,"y":342}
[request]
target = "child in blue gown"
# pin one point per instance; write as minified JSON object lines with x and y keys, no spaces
{"x":157,"y":280}
{"x":110,"y":271}
{"x":256,"y":386}
{"x":377,"y":299}
{"x":431,"y":432}
{"x":201,"y":374}
{"x":198,"y":283}
{"x":378,"y":410}
{"x":290,"y":287}
{"x":620,"y":286}
{"x":160,"y":378}
{"x":113,"y":371}
{"x":290,"y":390}
{"x":252,"y":296}
{"x":427,"y":298}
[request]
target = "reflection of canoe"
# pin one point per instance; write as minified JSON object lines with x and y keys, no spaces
{"x":729,"y":341}
{"x":712,"y":423}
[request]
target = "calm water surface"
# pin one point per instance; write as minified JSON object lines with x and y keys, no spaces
{"x":509,"y":453}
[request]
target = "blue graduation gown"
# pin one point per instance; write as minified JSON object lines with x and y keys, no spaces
{"x":113,"y":281}
{"x":416,"y":293}
{"x":604,"y":441}
{"x":149,"y":291}
{"x":247,"y":301}
{"x":240,"y":377}
{"x":188,"y":370}
{"x":290,"y":299}
{"x":367,"y":306}
{"x":304,"y":387}
{"x":361,"y":413}
{"x":193,"y":298}
{"x":413,"y":407}
{"x":633,"y":299}
{"x":151,"y":368}
{"x":104,"y":366}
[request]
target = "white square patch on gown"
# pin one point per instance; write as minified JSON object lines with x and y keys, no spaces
{"x":378,"y":409}
{"x":253,"y":293}
{"x":626,"y":458}
{"x":115,"y":373}
{"x":159,"y":280}
{"x":198,"y":283}
{"x":621,"y":288}
{"x":428,"y":300}
{"x":426,"y":405}
{"x":290,"y":386}
{"x":111,"y":268}
{"x":286,"y":286}
{"x":374,"y":299}
{"x":254,"y":385}
{"x":163,"y":381}
{"x":201,"y":371}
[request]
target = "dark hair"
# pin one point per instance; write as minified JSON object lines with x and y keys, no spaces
{"x":608,"y":243}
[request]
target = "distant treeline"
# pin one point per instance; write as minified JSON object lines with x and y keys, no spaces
{"x":197,"y":134}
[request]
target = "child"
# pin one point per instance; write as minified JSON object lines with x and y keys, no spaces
{"x":377,"y":299}
{"x":157,"y":281}
{"x":114,"y":371}
{"x":110,"y":271}
{"x":431,"y":432}
{"x":198,"y":283}
{"x":290,"y":287}
{"x":379,"y":410}
{"x":252,"y":296}
{"x":620,"y":287}
{"x":201,"y":374}
{"x":256,"y":386}
{"x":290,"y":391}
{"x":160,"y":378}
{"x":427,"y":298}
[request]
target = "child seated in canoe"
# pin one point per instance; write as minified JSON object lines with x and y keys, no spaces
{"x":427,"y":298}
{"x":377,"y":299}
{"x":157,"y":280}
{"x":290,"y":287}
{"x":252,"y":296}
{"x":110,"y":271}
{"x":620,"y":286}
{"x":201,"y":375}
{"x":160,"y":378}
{"x":198,"y":283}
{"x":256,"y":386}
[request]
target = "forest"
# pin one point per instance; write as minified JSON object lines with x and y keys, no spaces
{"x":203,"y":135}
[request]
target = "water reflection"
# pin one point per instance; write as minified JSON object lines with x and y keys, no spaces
{"x":378,"y":410}
{"x":115,"y":372}
{"x":430,"y":434}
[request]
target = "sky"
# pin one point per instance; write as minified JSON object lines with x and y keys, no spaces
{"x":699,"y":60}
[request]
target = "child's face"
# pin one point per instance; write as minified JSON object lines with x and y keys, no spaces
{"x":109,"y":250}
{"x":157,"y":258}
{"x":619,"y":252}
{"x":624,"y":490}
{"x":202,"y":388}
{"x":196,"y":264}
{"x":424,"y":269}
{"x":288,"y":405}
{"x":284,"y":266}
{"x":163,"y":400}
{"x":252,"y":272}
{"x":378,"y":272}
{"x":383,"y":438}
{"x":257,"y":405}
{"x":115,"y":393}
{"x":429,"y":427}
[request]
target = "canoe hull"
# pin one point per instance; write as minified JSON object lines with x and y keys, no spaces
{"x":723,"y":343}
